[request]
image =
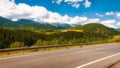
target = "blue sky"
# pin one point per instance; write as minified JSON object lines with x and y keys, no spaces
{"x":97,"y":6}
{"x":106,"y":12}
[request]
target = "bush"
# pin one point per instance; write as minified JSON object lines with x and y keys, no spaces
{"x":38,"y":43}
{"x":17,"y":44}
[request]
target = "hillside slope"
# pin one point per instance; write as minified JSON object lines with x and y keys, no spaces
{"x":95,"y":28}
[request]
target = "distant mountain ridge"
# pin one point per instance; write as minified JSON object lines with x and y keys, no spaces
{"x":29,"y":24}
{"x":61,"y":25}
{"x":23,"y":23}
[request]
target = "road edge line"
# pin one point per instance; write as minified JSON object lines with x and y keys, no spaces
{"x":81,"y":66}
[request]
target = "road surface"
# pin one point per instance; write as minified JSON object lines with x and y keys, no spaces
{"x":115,"y":65}
{"x":100,"y":56}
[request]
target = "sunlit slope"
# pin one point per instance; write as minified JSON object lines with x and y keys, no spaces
{"x":95,"y":28}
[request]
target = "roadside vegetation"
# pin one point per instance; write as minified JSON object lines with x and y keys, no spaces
{"x":90,"y":33}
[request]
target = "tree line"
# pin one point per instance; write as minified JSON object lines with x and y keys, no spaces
{"x":27,"y":38}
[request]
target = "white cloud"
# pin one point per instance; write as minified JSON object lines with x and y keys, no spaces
{"x":118,"y":14}
{"x":52,"y":18}
{"x":38,"y":13}
{"x":117,"y":24}
{"x":94,"y":20}
{"x":87,"y":3}
{"x":74,"y":3}
{"x":14,"y":19}
{"x":109,"y":23}
{"x":77,"y":20}
{"x":5,"y":7}
{"x":55,"y":17}
{"x":11,"y":10}
{"x":109,"y":13}
{"x":56,"y":1}
{"x":100,"y":15}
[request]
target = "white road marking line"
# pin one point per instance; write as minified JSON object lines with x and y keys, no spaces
{"x":81,"y":66}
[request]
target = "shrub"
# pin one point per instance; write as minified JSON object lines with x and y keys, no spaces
{"x":17,"y":44}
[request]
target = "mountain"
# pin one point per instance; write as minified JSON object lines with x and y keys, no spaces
{"x":5,"y":22}
{"x":23,"y":23}
{"x":118,"y":29}
{"x":95,"y":28}
{"x":61,"y":25}
{"x":30,"y":23}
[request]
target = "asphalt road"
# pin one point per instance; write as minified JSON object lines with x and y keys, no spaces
{"x":101,"y":56}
